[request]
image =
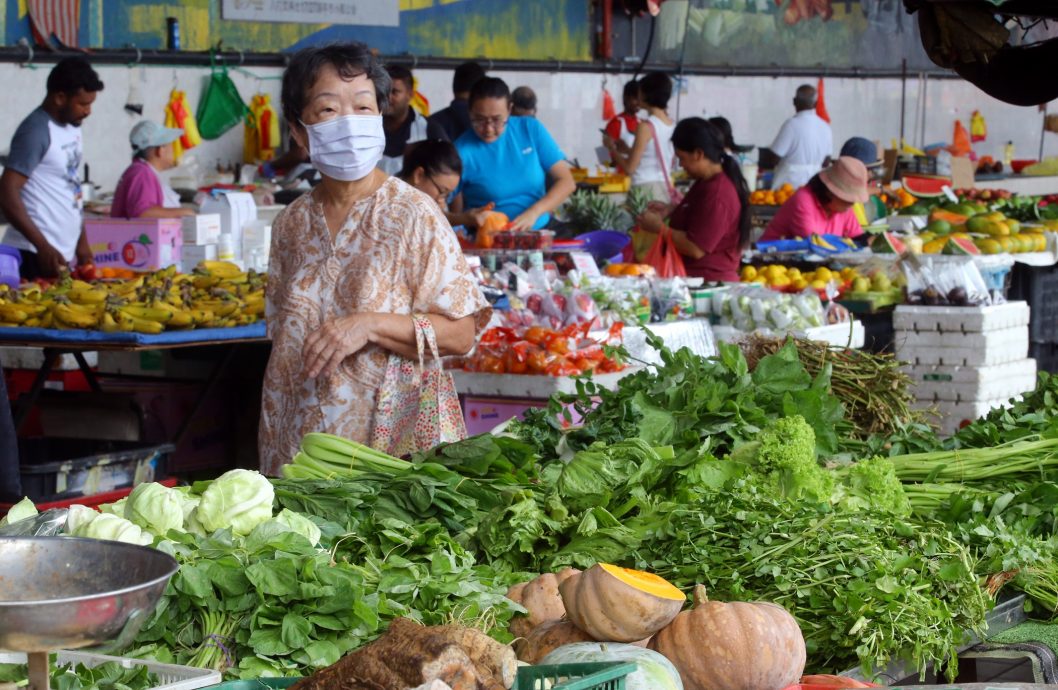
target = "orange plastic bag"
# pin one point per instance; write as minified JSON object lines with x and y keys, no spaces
{"x":960,"y":141}
{"x":663,"y":256}
{"x":821,"y":103}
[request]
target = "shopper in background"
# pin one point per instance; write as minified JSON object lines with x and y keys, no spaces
{"x":650,"y":160}
{"x":352,"y":263}
{"x":724,"y":127}
{"x":402,"y":124}
{"x":803,"y":144}
{"x":40,"y":190}
{"x":865,"y":151}
{"x":141,"y":191}
{"x":711,"y":226}
{"x":455,"y":119}
{"x":824,"y":205}
{"x":523,"y":102}
{"x":434,"y":168}
{"x":507,"y":161}
{"x":622,"y":128}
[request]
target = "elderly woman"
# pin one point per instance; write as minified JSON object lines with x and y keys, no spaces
{"x":824,"y":205}
{"x":352,"y":263}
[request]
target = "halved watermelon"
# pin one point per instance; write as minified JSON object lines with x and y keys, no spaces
{"x":925,"y":186}
{"x":887,"y":243}
{"x":960,"y":245}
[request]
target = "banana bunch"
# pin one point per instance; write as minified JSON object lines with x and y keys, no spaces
{"x":216,"y":295}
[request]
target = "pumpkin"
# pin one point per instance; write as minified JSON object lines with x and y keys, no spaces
{"x":733,"y":646}
{"x":655,"y":672}
{"x":827,"y":680}
{"x":615,"y":604}
{"x":541,"y":599}
{"x":546,"y":638}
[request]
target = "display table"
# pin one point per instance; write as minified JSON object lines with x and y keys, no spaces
{"x":1024,"y":185}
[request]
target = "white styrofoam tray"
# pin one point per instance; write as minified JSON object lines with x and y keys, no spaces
{"x":838,"y":334}
{"x":170,"y":676}
{"x":969,"y":384}
{"x":952,"y":415}
{"x":962,"y":349}
{"x":919,"y":318}
{"x":530,"y":387}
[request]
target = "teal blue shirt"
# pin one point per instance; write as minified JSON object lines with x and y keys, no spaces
{"x":511,"y":171}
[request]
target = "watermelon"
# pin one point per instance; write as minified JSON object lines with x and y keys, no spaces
{"x":925,"y":186}
{"x":887,"y":243}
{"x":960,"y":245}
{"x":655,"y":671}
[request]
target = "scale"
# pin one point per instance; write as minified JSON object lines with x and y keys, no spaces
{"x":68,"y":593}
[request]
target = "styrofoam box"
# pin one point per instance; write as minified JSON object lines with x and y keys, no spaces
{"x":203,"y":228}
{"x":170,"y":676}
{"x":838,"y":334}
{"x":960,"y":319}
{"x":969,"y":384}
{"x":953,"y":414}
{"x":33,"y":358}
{"x":963,"y":349}
{"x":192,"y":254}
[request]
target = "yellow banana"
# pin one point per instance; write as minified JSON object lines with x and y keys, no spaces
{"x":108,"y":324}
{"x":155,"y":313}
{"x":202,"y":316}
{"x":145,"y":326}
{"x":223,"y":269}
{"x":47,"y":319}
{"x":221,"y":308}
{"x":205,"y":282}
{"x":255,"y":308}
{"x":88,"y":295}
{"x":181,"y":319}
{"x":10,"y":313}
{"x":32,"y":322}
{"x":70,"y":317}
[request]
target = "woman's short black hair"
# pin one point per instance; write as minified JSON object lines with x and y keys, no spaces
{"x":655,"y":89}
{"x":819,"y":190}
{"x":434,"y":156}
{"x":631,"y":89}
{"x":73,"y":74}
{"x":489,"y":87}
{"x":350,"y":59}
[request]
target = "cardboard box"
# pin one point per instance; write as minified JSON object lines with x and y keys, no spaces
{"x":142,"y":244}
{"x":236,"y":209}
{"x":191,"y":254}
{"x":202,"y":229}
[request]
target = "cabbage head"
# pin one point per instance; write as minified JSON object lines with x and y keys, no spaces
{"x":296,"y":522}
{"x":114,"y":528}
{"x":20,"y":511}
{"x":239,"y":499}
{"x":155,"y":508}
{"x":115,"y":508}
{"x":78,"y":517}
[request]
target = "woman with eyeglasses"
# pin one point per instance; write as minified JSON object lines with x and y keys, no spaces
{"x":361,"y":267}
{"x":507,"y":161}
{"x":434,"y":168}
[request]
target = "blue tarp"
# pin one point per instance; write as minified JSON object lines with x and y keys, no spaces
{"x":51,"y":335}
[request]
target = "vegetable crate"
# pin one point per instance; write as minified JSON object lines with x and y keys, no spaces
{"x":603,"y":675}
{"x":170,"y":676}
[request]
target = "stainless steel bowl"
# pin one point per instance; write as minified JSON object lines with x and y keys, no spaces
{"x":67,"y":593}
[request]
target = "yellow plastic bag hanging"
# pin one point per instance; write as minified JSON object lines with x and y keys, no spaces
{"x":419,"y":101}
{"x":268,"y":139}
{"x":178,"y":115}
{"x":978,"y":127}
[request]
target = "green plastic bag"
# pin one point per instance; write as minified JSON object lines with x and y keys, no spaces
{"x":221,"y":107}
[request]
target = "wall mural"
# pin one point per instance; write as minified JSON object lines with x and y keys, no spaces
{"x":547,"y":29}
{"x":871,"y":34}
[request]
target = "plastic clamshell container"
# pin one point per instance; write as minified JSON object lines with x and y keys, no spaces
{"x":170,"y":676}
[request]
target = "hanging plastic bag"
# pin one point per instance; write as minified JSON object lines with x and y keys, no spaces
{"x":221,"y":107}
{"x":960,"y":141}
{"x":419,"y":102}
{"x":663,"y":256}
{"x":978,"y":127}
{"x":178,"y":115}
{"x":268,"y":139}
{"x":250,"y":136}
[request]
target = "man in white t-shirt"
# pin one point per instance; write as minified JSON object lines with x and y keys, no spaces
{"x":804,"y":142}
{"x":40,"y":189}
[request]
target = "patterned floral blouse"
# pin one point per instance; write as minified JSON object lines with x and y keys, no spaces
{"x":395,"y":254}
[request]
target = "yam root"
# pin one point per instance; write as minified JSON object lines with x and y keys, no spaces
{"x":491,"y":658}
{"x":548,"y":637}
{"x":406,"y":656}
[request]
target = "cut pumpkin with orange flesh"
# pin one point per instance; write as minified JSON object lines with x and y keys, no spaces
{"x":614,"y":604}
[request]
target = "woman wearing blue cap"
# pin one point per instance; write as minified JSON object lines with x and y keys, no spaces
{"x":866,"y":152}
{"x":141,"y":192}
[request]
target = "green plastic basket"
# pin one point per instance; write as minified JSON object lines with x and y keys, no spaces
{"x":257,"y":684}
{"x":603,"y":675}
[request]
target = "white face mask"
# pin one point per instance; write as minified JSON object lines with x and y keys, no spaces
{"x":347,"y":148}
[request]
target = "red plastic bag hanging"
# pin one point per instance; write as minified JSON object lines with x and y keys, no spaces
{"x":609,"y":112}
{"x":821,"y":104}
{"x":664,"y":257}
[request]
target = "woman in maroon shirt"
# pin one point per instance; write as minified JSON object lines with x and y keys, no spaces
{"x":711,"y":226}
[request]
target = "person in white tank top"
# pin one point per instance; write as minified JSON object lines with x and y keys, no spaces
{"x":648,"y":169}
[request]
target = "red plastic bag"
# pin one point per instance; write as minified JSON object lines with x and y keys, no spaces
{"x":663,"y":256}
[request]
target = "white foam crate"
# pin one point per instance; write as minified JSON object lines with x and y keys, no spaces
{"x":952,"y":415}
{"x":968,"y":384}
{"x":918,"y":318}
{"x":170,"y":676}
{"x":962,"y":349}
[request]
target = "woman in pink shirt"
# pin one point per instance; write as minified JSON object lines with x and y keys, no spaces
{"x":824,"y":205}
{"x":141,"y":193}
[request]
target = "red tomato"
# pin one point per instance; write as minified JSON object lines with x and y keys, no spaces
{"x":516,"y":363}
{"x":562,"y":367}
{"x":558,"y":346}
{"x":536,"y":335}
{"x":87,"y":272}
{"x":491,"y":365}
{"x":538,"y":361}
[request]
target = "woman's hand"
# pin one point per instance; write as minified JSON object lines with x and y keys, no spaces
{"x":328,"y":347}
{"x":525,"y":221}
{"x":650,"y":221}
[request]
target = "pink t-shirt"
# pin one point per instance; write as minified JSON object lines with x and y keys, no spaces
{"x":138,"y":190}
{"x":803,"y":216}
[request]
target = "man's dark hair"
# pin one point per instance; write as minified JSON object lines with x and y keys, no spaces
{"x":466,"y":75}
{"x":73,"y":74}
{"x":656,"y":89}
{"x":350,"y":59}
{"x":524,"y":98}
{"x":434,"y":156}
{"x":805,"y":99}
{"x":401,"y":73}
{"x":490,"y":87}
{"x":631,"y":89}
